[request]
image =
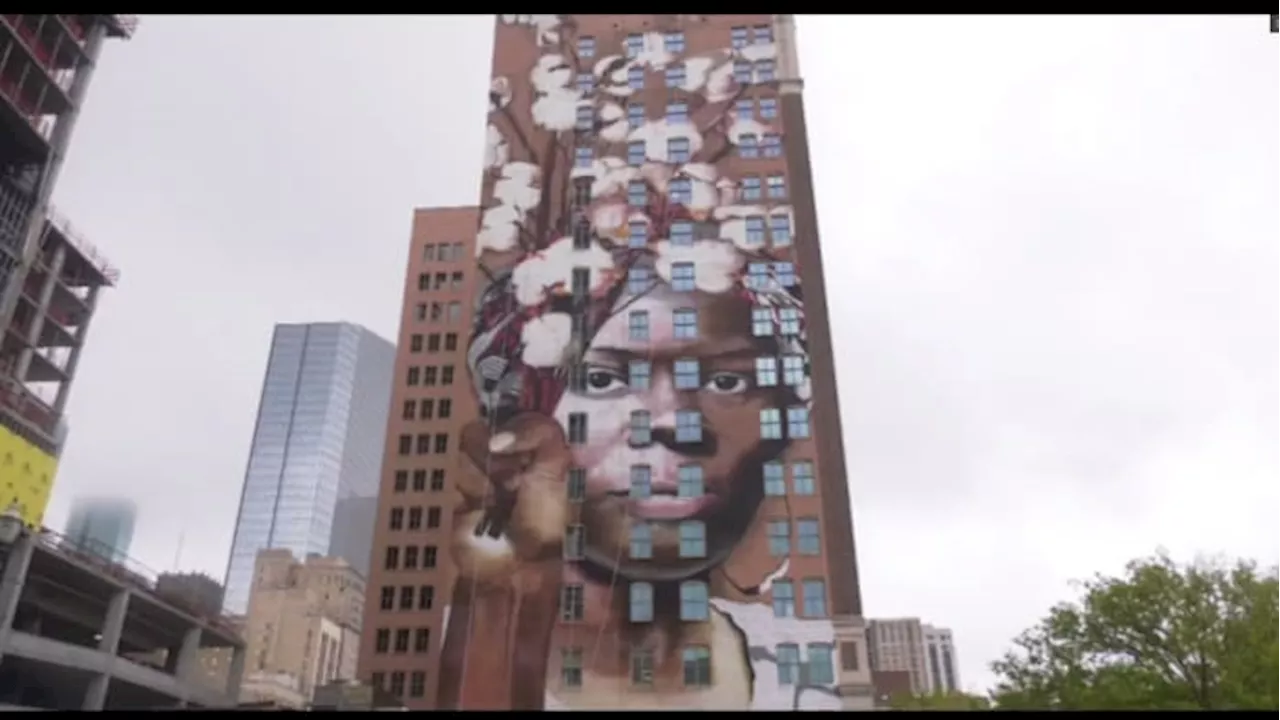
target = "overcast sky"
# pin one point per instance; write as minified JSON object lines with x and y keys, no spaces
{"x":1054,"y":242}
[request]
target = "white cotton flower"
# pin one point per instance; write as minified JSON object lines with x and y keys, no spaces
{"x":733,"y":223}
{"x":499,"y":229}
{"x":653,"y":53}
{"x":551,"y":271}
{"x":516,"y":193}
{"x":758,"y":51}
{"x":556,"y":103}
{"x":496,"y":149}
{"x":746,"y":126}
{"x":720,"y":84}
{"x":613,"y":123}
{"x":717,"y":264}
{"x":657,"y":136}
{"x":695,"y":73}
{"x":609,"y":218}
{"x":546,"y":338}
{"x":705,"y":197}
{"x":547,"y":27}
{"x":499,"y":93}
{"x":727,"y":190}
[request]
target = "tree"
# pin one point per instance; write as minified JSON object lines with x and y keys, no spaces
{"x":939,"y":701}
{"x":1161,"y":636}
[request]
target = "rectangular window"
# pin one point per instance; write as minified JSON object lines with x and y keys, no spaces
{"x":749,"y":188}
{"x":433,"y":342}
{"x":775,"y":484}
{"x":762,"y":322}
{"x":694,"y":601}
{"x":780,"y":229}
{"x":586,"y":47}
{"x":639,"y":373}
{"x":437,"y":479}
{"x":411,"y":377}
{"x":681,"y":233}
{"x":690,"y":483}
{"x":401,"y":482}
{"x":584,"y":117}
{"x":450,"y":342}
{"x":784,"y":599}
{"x":797,"y":422}
{"x":770,"y":424}
{"x":387,"y":598}
{"x":744,"y":110}
{"x":419,"y":480}
{"x":793,"y":373}
{"x":634,"y":45}
{"x":641,"y":602}
{"x":423,"y":444}
{"x":446,"y":375}
{"x":575,"y":542}
{"x":637,"y":194}
{"x":415,"y":518}
{"x":635,"y":111}
{"x":677,"y":112}
{"x":675,"y":76}
{"x":777,"y":187}
{"x":785,"y":273}
{"x":415,"y":343}
{"x":788,"y":658}
{"x":433,"y":518}
{"x":583,"y":157}
{"x":738,"y":37}
{"x":586,"y":82}
{"x":687,"y":374}
{"x":382,"y":640}
{"x":417,"y":683}
{"x":396,"y":686}
{"x":771,"y":145}
{"x":761,"y":35}
{"x":641,"y":482}
{"x":572,"y":603}
{"x":680,"y":190}
{"x":789,"y":321}
{"x":571,"y":667}
{"x":407,"y":412}
{"x":685,"y":324}
{"x":411,"y":557}
{"x":748,"y":147}
{"x":641,"y":666}
{"x":779,"y":534}
{"x":441,"y":443}
{"x":637,"y":234}
{"x":755,"y":229}
{"x":768,"y":108}
{"x":429,"y":253}
{"x":641,"y":541}
{"x":688,"y":426}
{"x":821,"y":671}
{"x":429,"y":375}
{"x":426,"y":597}
{"x":635,"y":77}
{"x":455,"y":312}
{"x":766,"y":372}
{"x":430,"y":554}
{"x":764,"y":71}
{"x":849,"y":657}
{"x":577,"y":428}
{"x":638,"y":281}
{"x":421,"y":640}
{"x":445,"y":408}
{"x":741,"y":71}
{"x":673,"y":42}
{"x":815,"y":598}
{"x":682,"y":277}
{"x":802,"y":482}
{"x":807,"y":541}
{"x":638,"y":325}
{"x":678,"y":150}
{"x":576,"y":484}
{"x":635,"y":153}
{"x":641,"y":435}
{"x":697,"y":666}
{"x":693,"y":539}
{"x":392,"y":559}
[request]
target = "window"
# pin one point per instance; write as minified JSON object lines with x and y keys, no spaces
{"x":807,"y":542}
{"x":797,"y":422}
{"x":738,"y":37}
{"x":766,"y":372}
{"x":376,"y":679}
{"x":577,"y":428}
{"x":755,"y":229}
{"x":678,"y":150}
{"x":586,"y":47}
{"x":421,"y":640}
{"x":575,"y":537}
{"x":420,"y":311}
{"x":744,"y":109}
{"x":764,"y":71}
{"x":687,"y":374}
{"x":741,"y":71}
{"x":415,"y":518}
{"x":789,"y":321}
{"x":780,"y":229}
{"x":429,"y":556}
{"x":788,"y":659}
{"x":757,"y":275}
{"x":641,"y":541}
{"x":673,"y":42}
{"x":433,"y":342}
{"x":849,"y":656}
{"x":446,"y":375}
{"x":450,"y":342}
{"x":638,"y":325}
{"x":761,"y":35}
{"x":417,"y":683}
{"x":761,"y":322}
{"x":638,"y":281}
{"x":571,"y":603}
{"x":685,"y":324}
{"x":694,"y":601}
{"x":635,"y":153}
{"x":424,"y":444}
{"x":641,"y":596}
{"x":382,"y":640}
{"x":411,"y":377}
{"x":748,"y":147}
{"x":637,"y":234}
{"x":634,"y":45}
{"x":779,"y":534}
{"x":571,"y":667}
{"x":437,"y":479}
{"x":784,"y":599}
{"x":635,"y":112}
{"x":583,"y":157}
{"x":772,"y":145}
{"x":681,"y":233}
{"x":437,"y":312}
{"x":675,"y":75}
{"x":793,"y":370}
{"x":401,"y":481}
{"x":429,"y":375}
{"x":392,"y":558}
{"x":419,"y":480}
{"x":576,"y":484}
{"x":411,"y":557}
{"x":426,"y":597}
{"x":584,"y":118}
{"x":768,"y":108}
{"x":396,"y":686}
{"x":697,"y":666}
{"x":688,"y":426}
{"x":429,"y":252}
{"x":424,"y":281}
{"x":402,"y":640}
{"x":821,"y":671}
{"x":777,"y":187}
{"x":641,"y":666}
{"x":586,"y":82}
{"x":410,"y":406}
{"x":785,"y":272}
{"x":641,"y":482}
{"x":682,"y":277}
{"x":445,"y":408}
{"x":815,"y":598}
{"x":442,"y":443}
{"x":640,"y":432}
{"x":677,"y":112}
{"x":415,"y":343}
{"x":638,"y":374}
{"x":770,"y":424}
{"x":387,"y":598}
{"x":680,"y":190}
{"x":802,"y":482}
{"x":749,"y":189}
{"x":635,"y":78}
{"x":637,"y":193}
{"x":775,"y":484}
{"x":693,"y":539}
{"x":689,"y":482}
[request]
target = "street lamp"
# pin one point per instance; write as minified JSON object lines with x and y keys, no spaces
{"x":11,"y":525}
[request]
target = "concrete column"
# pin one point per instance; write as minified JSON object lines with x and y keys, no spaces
{"x":16,"y":562}
{"x":113,"y":626}
{"x":236,"y":672}
{"x":188,"y":656}
{"x":82,"y":332}
{"x":42,"y":302}
{"x":95,"y":697}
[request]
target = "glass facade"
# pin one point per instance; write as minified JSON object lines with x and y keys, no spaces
{"x":313,"y":468}
{"x":102,"y":526}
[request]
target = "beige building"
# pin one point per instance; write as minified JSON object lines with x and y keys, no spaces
{"x":924,"y":652}
{"x":302,"y":629}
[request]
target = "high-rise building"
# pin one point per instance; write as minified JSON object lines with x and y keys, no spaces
{"x":924,"y":652}
{"x":940,"y":656}
{"x":50,"y":276}
{"x":103,"y":526}
{"x":614,"y":472}
{"x":312,"y":478}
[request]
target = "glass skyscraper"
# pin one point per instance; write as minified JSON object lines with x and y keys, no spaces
{"x":311,"y":485}
{"x":102,"y":526}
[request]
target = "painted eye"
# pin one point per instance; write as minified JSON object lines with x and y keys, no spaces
{"x":601,"y":381}
{"x":727,"y":383}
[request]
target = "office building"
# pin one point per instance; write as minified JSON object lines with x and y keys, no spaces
{"x":312,"y":478}
{"x":940,"y":660}
{"x":924,"y":652}
{"x":50,"y":275}
{"x":614,"y":475}
{"x":102,"y":525}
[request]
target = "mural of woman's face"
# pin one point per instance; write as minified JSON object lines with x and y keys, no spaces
{"x":729,"y":454}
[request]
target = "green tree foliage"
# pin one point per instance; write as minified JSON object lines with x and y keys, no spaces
{"x":938,"y":701}
{"x":1161,"y":636}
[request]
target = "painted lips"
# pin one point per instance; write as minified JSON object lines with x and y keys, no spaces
{"x":668,"y":507}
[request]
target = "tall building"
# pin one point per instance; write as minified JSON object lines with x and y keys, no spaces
{"x":103,"y":526}
{"x":312,"y":478}
{"x":50,"y":276}
{"x":924,"y":652}
{"x":609,"y":480}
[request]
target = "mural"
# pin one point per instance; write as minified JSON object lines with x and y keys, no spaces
{"x":640,"y":358}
